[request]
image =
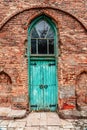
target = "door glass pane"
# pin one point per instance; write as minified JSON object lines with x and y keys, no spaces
{"x":51,"y":46}
{"x":42,"y":36}
{"x":34,"y":33}
{"x":50,"y":34}
{"x":42,"y":28}
{"x":33,"y":46}
{"x":42,"y":46}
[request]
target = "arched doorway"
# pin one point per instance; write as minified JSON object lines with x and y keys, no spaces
{"x":42,"y":64}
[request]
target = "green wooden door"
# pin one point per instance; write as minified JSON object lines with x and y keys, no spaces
{"x":43,"y":88}
{"x":42,"y":53}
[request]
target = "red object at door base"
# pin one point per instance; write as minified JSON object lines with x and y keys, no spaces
{"x":67,"y":106}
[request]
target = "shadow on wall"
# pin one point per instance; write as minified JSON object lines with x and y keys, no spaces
{"x":5,"y":89}
{"x":81,"y":91}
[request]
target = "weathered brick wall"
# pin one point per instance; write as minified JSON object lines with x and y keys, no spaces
{"x":77,"y":8}
{"x":72,"y":48}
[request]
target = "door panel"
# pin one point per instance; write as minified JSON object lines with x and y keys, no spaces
{"x":50,"y":98}
{"x":43,"y":90}
{"x":36,"y":94}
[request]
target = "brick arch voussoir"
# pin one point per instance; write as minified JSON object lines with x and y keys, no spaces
{"x":42,"y":12}
{"x":84,"y":70}
{"x":6,"y":75}
{"x":39,"y":7}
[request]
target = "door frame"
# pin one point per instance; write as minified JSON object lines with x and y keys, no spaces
{"x":53,"y":25}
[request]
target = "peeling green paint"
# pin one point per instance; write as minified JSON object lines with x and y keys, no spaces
{"x":46,"y":97}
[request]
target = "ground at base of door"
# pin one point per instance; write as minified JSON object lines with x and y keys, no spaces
{"x":73,"y":114}
{"x":8,"y":113}
{"x":43,"y":121}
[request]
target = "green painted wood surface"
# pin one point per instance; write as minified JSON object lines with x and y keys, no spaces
{"x":45,"y":97}
{"x":42,"y":73}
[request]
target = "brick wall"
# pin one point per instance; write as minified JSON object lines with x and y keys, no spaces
{"x":70,"y":20}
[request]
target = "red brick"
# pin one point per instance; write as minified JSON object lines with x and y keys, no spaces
{"x":72,"y":59}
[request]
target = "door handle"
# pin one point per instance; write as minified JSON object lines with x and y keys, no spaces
{"x":41,"y":86}
{"x":45,"y":86}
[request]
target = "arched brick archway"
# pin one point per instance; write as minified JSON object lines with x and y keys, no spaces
{"x":41,"y":8}
{"x":5,"y":89}
{"x":81,"y":90}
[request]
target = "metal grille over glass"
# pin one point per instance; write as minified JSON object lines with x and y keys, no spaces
{"x":42,"y":39}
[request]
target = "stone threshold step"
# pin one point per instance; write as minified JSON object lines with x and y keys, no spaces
{"x":73,"y":114}
{"x":8,"y":113}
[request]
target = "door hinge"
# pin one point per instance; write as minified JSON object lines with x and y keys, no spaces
{"x":33,"y":105}
{"x":51,"y":64}
{"x":33,"y":64}
{"x":52,"y":105}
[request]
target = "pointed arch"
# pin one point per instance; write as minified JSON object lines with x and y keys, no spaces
{"x":44,"y":62}
{"x":7,"y":19}
{"x":39,"y":17}
{"x":4,"y":77}
{"x":81,"y":90}
{"x":49,"y":23}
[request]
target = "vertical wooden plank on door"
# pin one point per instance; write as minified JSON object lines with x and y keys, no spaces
{"x":50,"y":89}
{"x":36,"y":94}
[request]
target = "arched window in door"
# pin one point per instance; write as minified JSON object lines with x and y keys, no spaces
{"x":42,"y":38}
